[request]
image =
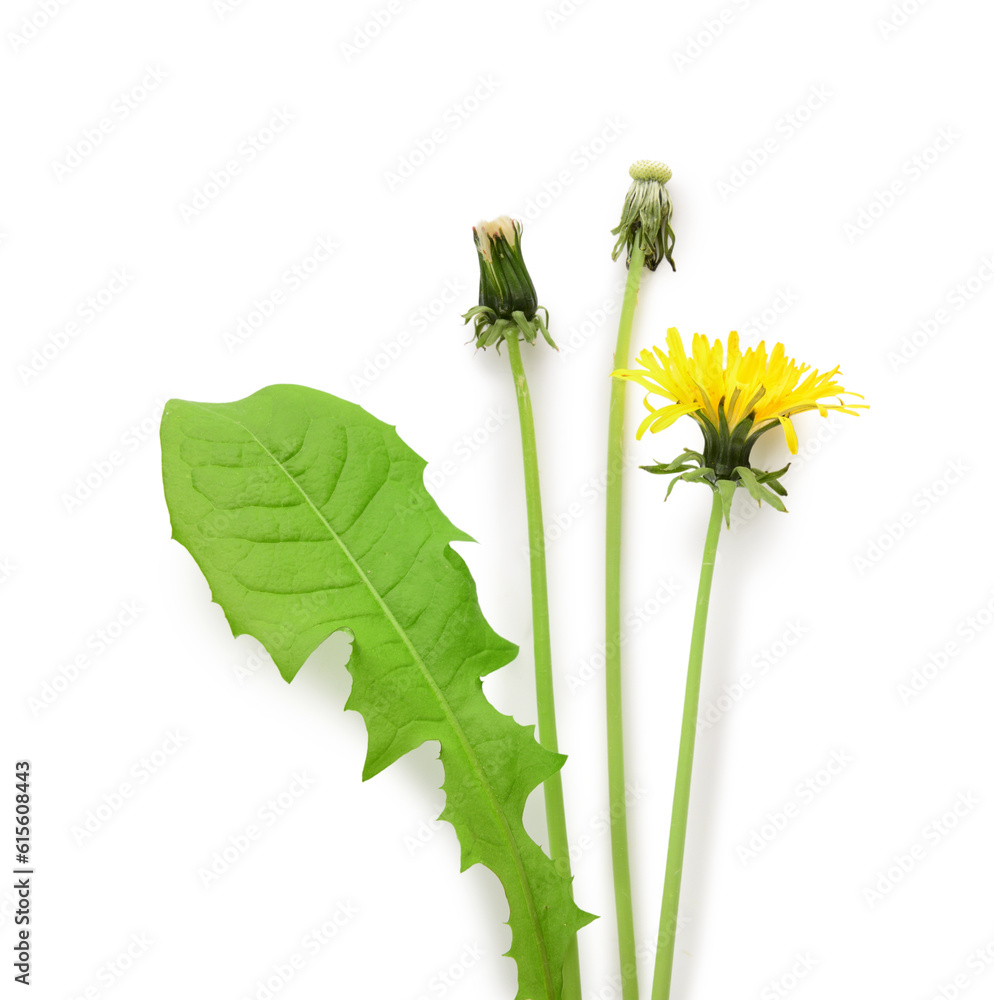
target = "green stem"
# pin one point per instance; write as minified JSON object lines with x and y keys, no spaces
{"x":681,"y":794}
{"x":617,"y":792}
{"x":555,"y":809}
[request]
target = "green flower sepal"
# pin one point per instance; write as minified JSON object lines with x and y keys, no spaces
{"x":492,"y":329}
{"x":508,"y":303}
{"x":761,"y":485}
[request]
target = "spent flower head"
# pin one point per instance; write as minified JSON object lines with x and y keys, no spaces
{"x":508,"y":303}
{"x":646,"y":215}
{"x":735,"y":397}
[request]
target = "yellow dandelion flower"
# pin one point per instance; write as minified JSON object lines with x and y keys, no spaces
{"x":734,"y":396}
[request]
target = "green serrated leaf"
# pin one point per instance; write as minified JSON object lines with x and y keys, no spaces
{"x":308,"y":516}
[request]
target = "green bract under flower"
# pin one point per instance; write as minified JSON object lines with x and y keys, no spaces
{"x":646,"y":215}
{"x":691,"y":467}
{"x":508,"y":302}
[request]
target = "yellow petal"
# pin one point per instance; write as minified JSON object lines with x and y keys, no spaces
{"x":789,"y":433}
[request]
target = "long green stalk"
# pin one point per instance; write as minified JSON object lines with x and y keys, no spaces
{"x":555,"y":809}
{"x":681,"y":795}
{"x":617,"y":792}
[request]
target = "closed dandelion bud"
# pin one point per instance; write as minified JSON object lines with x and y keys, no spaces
{"x":508,"y":304}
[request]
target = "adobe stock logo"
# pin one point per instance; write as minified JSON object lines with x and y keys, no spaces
{"x":247,"y":152}
{"x":454,"y":117}
{"x":804,"y":964}
{"x":710,"y":31}
{"x":263,"y":307}
{"x":265,"y":818}
{"x":93,"y":646}
{"x":102,"y":469}
{"x":86,"y":313}
{"x":124,"y":105}
{"x":31,"y":25}
{"x":898,"y":528}
{"x":913,"y":169}
{"x":418,"y":322}
{"x":777,"y":821}
{"x":955,"y":301}
{"x":365,"y":33}
{"x":938,"y":661}
{"x":786,"y":127}
{"x":902,"y":864}
{"x":900,"y":14}
{"x":110,"y":973}
{"x":140,"y":774}
{"x":319,"y":937}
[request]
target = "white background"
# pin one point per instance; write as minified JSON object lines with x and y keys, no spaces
{"x":785,"y":229}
